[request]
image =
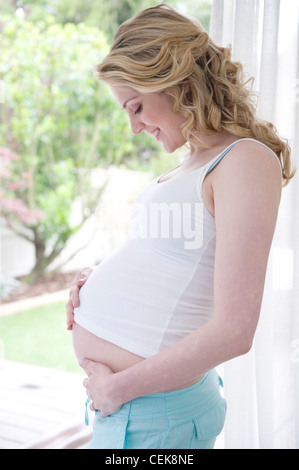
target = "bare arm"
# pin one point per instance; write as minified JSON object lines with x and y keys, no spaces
{"x":246,"y":188}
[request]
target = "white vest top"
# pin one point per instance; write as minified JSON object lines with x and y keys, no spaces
{"x":157,"y":287}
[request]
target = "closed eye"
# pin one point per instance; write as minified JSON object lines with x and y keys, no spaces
{"x":138,"y":110}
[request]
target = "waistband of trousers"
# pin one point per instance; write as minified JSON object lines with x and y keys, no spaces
{"x":178,"y":405}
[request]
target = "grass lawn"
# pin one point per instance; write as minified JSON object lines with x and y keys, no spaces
{"x":38,"y":336}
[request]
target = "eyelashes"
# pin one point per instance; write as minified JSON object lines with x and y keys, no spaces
{"x":138,"y":110}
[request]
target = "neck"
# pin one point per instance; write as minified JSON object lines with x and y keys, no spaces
{"x":209,"y":142}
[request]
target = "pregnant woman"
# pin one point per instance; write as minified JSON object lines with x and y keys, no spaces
{"x":183,"y":293}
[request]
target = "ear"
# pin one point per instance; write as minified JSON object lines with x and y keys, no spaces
{"x":186,"y":86}
{"x":188,"y":92}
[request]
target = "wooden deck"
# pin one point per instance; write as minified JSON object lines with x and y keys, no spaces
{"x":41,"y":408}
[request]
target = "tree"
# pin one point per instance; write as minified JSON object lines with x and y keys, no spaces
{"x":105,"y":15}
{"x":56,"y":118}
{"x":12,"y":207}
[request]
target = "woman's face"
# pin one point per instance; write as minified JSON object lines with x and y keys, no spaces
{"x":153,"y":114}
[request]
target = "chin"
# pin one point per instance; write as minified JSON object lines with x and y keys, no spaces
{"x":170,"y":148}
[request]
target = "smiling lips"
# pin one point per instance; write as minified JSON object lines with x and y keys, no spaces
{"x":156,"y":133}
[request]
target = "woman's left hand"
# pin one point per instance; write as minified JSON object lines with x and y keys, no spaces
{"x":97,"y":386}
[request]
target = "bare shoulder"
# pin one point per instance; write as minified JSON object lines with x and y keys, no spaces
{"x":250,"y":170}
{"x":251,"y":161}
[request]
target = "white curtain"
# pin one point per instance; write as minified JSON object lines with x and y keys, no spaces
{"x":262,"y":388}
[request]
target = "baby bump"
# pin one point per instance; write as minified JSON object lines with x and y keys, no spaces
{"x":89,"y":346}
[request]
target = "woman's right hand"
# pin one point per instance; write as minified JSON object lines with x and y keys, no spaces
{"x":74,"y":300}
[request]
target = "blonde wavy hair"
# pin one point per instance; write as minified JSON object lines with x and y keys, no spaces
{"x":160,"y":50}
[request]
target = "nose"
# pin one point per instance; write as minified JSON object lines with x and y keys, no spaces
{"x":136,"y":125}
